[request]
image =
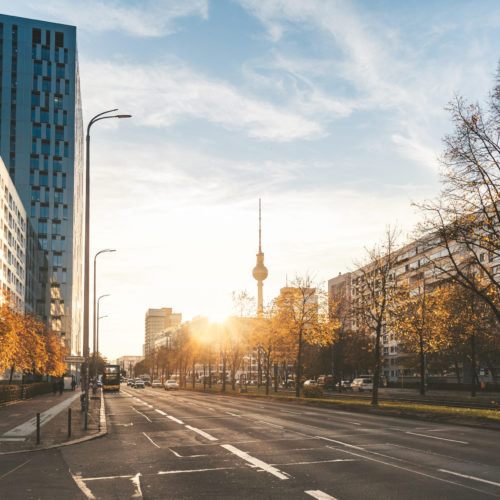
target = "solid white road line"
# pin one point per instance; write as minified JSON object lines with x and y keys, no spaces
{"x":140,"y":413}
{"x":191,"y":470}
{"x":202,"y":433}
{"x":185,"y":456}
{"x":175,"y":419}
{"x":152,"y":442}
{"x":83,"y":487}
{"x":29,"y":427}
{"x":161,"y":412}
{"x":320,"y":461}
{"x":319,"y":495}
{"x":255,"y":461}
{"x":436,"y":437}
{"x":14,"y":469}
{"x":469,"y":477}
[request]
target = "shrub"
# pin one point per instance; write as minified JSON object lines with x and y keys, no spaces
{"x":313,"y":391}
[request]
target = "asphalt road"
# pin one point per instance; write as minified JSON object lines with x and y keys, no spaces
{"x":183,"y":445}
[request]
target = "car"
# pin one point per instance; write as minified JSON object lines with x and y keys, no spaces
{"x":156,"y":383}
{"x":139,"y":384}
{"x":130,"y":382}
{"x":310,"y":383}
{"x":346,"y":385}
{"x":171,"y":385}
{"x":362,"y":384}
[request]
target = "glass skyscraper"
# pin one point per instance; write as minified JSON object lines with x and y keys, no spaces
{"x":41,"y":143}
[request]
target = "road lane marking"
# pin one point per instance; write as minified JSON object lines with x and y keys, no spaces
{"x":85,"y":479}
{"x":140,"y":413}
{"x":410,"y":470}
{"x":175,"y":419}
{"x":15,"y":468}
{"x":136,"y":481}
{"x":436,"y":437}
{"x":161,"y":412}
{"x":269,"y":423}
{"x":255,"y":461}
{"x":233,"y":414}
{"x":202,"y":433}
{"x":83,"y":487}
{"x":12,"y":439}
{"x":469,"y":477}
{"x":185,"y":456}
{"x":151,"y":440}
{"x":319,"y":495}
{"x":320,"y":461}
{"x":29,"y":427}
{"x":192,"y":470}
{"x":354,"y":423}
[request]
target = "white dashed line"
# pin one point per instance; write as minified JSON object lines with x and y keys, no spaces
{"x":140,"y":413}
{"x":436,"y":437}
{"x":175,"y":419}
{"x":161,"y":412}
{"x":269,"y":423}
{"x":255,"y":461}
{"x":202,"y":433}
{"x":152,"y":442}
{"x":469,"y":477}
{"x":319,"y":495}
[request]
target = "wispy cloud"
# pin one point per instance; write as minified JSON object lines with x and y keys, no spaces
{"x":162,"y":94}
{"x":146,"y":18}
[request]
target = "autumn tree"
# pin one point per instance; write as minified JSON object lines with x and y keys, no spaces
{"x":377,"y":292}
{"x":302,"y":312}
{"x":465,"y":220}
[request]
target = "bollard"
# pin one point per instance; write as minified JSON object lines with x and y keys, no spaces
{"x":38,"y":428}
{"x":69,"y":422}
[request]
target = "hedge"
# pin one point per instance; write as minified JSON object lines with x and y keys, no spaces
{"x":25,"y":391}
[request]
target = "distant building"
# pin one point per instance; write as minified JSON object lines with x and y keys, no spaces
{"x":13,"y":240}
{"x":156,"y":322}
{"x":41,"y":142}
{"x":127,"y":363}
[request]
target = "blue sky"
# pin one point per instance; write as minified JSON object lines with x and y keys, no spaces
{"x":331,"y":111}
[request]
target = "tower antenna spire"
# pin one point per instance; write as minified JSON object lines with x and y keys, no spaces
{"x":260,"y":229}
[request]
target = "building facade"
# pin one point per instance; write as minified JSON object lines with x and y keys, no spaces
{"x":41,"y":142}
{"x":127,"y":363}
{"x":156,"y":322}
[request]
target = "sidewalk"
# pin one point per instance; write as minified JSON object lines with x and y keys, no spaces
{"x":18,"y":421}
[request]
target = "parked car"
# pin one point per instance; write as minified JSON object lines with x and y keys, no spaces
{"x":310,"y":382}
{"x":346,"y":385}
{"x":171,"y":385}
{"x":362,"y":384}
{"x":156,"y":383}
{"x":139,"y":384}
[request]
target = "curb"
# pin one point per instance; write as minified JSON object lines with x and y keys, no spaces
{"x":103,"y":430}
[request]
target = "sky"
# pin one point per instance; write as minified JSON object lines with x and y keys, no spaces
{"x":332,"y":112}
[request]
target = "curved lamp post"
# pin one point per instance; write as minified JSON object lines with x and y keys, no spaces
{"x":99,"y":317}
{"x":96,"y":346}
{"x":86,"y":279}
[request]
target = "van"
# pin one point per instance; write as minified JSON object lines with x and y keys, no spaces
{"x":362,"y":384}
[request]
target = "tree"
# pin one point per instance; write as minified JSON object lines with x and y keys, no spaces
{"x":466,"y":218}
{"x":302,"y":312}
{"x":417,"y":319}
{"x":377,"y":285}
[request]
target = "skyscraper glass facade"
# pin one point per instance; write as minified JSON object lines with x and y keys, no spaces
{"x":41,"y":143}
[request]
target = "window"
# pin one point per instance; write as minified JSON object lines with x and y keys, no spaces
{"x":46,"y":147}
{"x":33,"y":114}
{"x":63,"y":244}
{"x":60,"y":70}
{"x":54,"y":243}
{"x":36,"y":35}
{"x":56,"y":228}
{"x":47,"y":38}
{"x":47,"y":132}
{"x":65,"y":211}
{"x":66,"y":149}
{"x":49,"y":69}
{"x":64,"y":180}
{"x":46,"y":85}
{"x":57,"y":166}
{"x":35,"y":99}
{"x":54,"y":181}
{"x":58,"y":86}
{"x":44,"y":211}
{"x":57,"y":149}
{"x":35,"y":195}
{"x":481,"y":257}
{"x":42,"y":227}
{"x":59,"y":133}
{"x":59,"y":39}
{"x":33,"y":146}
{"x":64,"y":276}
{"x":46,"y":53}
{"x":33,"y":210}
{"x":58,"y":196}
{"x":34,"y":162}
{"x":43,"y":179}
{"x":58,"y":102}
{"x":35,"y":83}
{"x":57,"y":260}
{"x":37,"y":68}
{"x":36,"y":130}
{"x":43,"y":243}
{"x":65,"y":117}
{"x":44,"y":116}
{"x":66,"y":87}
{"x":56,"y":212}
{"x":32,"y":179}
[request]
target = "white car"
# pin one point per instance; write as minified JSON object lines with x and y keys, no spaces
{"x":156,"y":383}
{"x":171,"y":385}
{"x":362,"y":384}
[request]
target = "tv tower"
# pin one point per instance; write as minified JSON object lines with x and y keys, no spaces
{"x":260,"y":271}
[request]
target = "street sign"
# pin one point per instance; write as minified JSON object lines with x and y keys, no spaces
{"x":78,"y":360}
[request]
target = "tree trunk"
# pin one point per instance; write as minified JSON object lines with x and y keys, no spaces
{"x":473,"y":364}
{"x":376,"y":375}
{"x":422,"y":366}
{"x":223,"y":375}
{"x":275,"y":377}
{"x":299,"y":367}
{"x":11,"y":374}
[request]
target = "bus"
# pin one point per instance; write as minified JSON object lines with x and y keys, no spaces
{"x":111,"y":378}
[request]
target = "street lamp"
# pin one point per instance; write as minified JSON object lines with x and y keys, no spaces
{"x":94,"y":310}
{"x":86,"y":279}
{"x":99,"y":317}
